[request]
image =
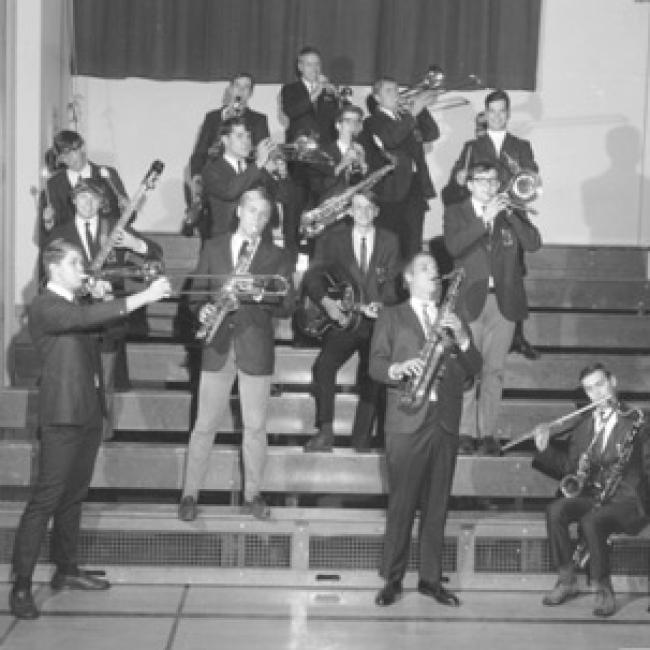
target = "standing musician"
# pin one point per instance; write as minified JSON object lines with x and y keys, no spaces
{"x":70,"y":151}
{"x":348,"y":154}
{"x":227,"y":176}
{"x":400,"y":130}
{"x":311,"y":105}
{"x":239,"y":93}
{"x":421,"y":441}
{"x":71,"y":403}
{"x":600,"y":449}
{"x":508,"y":153}
{"x":243,"y":348}
{"x":486,"y":237}
{"x":88,"y":231}
{"x":368,"y":257}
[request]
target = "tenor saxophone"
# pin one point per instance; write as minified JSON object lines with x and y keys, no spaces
{"x":434,"y":352}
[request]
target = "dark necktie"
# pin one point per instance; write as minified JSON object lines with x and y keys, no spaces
{"x":240,"y":167}
{"x":92,"y":243}
{"x":243,"y":250}
{"x":363,"y":256}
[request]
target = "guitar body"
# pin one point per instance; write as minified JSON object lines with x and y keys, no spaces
{"x":312,"y":319}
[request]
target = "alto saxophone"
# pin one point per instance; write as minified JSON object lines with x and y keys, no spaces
{"x":226,"y":300}
{"x":434,"y":351}
{"x":314,"y":221}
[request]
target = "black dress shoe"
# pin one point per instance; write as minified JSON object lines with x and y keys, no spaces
{"x":322,"y":441}
{"x":257,"y":507}
{"x":488,"y":446}
{"x":187,"y":509}
{"x":388,"y":594}
{"x":438,"y":592}
{"x":81,"y":580}
{"x":22,"y":605}
{"x":521,"y":346}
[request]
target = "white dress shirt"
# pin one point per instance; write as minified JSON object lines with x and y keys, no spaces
{"x":74,"y":176}
{"x":66,"y":294}
{"x":81,"y":229}
{"x":497,"y":138}
{"x":356,"y":244}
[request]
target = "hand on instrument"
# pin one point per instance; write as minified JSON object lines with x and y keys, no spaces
{"x":452,"y":322}
{"x":124,"y":239}
{"x":207,"y":312}
{"x":409,"y":368}
{"x":100,"y":290}
{"x":497,"y":204}
{"x":334,"y":311}
{"x":371,"y":310}
{"x":160,"y":288}
{"x":541,"y":435}
{"x":263,"y":152}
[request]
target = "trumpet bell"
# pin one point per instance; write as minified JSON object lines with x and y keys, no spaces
{"x":524,"y":187}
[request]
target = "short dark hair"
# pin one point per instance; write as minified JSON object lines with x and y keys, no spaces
{"x":349,"y":108}
{"x":66,"y":141}
{"x":243,"y":75}
{"x":380,"y":81}
{"x":480,"y":167}
{"x":592,"y":368}
{"x":89,"y":185}
{"x":498,"y":95}
{"x":55,"y":252}
{"x":308,"y":49}
{"x":227,"y":126}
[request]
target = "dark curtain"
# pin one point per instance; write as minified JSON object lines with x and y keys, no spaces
{"x":359,"y":39}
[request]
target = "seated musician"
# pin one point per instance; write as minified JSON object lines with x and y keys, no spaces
{"x":368,"y":257}
{"x":421,"y":438}
{"x":348,"y":155}
{"x":608,"y":454}
{"x":242,"y":348}
{"x":88,"y":231}
{"x":72,"y":165}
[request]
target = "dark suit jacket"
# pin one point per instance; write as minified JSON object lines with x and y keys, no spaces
{"x":558,"y":462}
{"x":403,"y":139}
{"x":59,"y":192}
{"x":325,"y":183}
{"x":250,"y":327}
{"x":256,"y":123}
{"x":482,"y":255}
{"x":482,"y":150}
{"x":70,"y":366}
{"x":335,"y":251}
{"x":398,"y":336}
{"x":306,"y":118}
{"x":222,"y":187}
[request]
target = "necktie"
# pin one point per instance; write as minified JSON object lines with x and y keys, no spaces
{"x":90,"y":240}
{"x":488,"y":225}
{"x":240,"y":166}
{"x":363,"y":256}
{"x":243,"y":249}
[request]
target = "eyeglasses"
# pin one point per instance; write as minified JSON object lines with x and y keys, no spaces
{"x":484,"y":180}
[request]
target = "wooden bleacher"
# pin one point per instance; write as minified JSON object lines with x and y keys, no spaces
{"x":587,"y":303}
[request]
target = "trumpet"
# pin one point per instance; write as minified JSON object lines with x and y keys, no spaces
{"x":434,"y":80}
{"x":524,"y":186}
{"x":304,"y":149}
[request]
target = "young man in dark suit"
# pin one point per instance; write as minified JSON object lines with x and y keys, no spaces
{"x":70,"y":407}
{"x":487,"y":239}
{"x":421,"y":440}
{"x":368,"y":258}
{"x":595,"y":445}
{"x":243,"y":348}
{"x":239,"y":93}
{"x":493,"y":143}
{"x":89,"y":231}
{"x":70,"y":150}
{"x":401,"y":130}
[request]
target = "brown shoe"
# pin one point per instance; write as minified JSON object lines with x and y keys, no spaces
{"x":562,"y":592}
{"x":605,"y":600}
{"x":322,"y":441}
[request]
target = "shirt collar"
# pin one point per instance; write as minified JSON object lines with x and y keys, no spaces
{"x":64,"y":293}
{"x":388,"y":112}
{"x":233,"y":162}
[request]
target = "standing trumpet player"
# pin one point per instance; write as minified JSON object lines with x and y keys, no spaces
{"x":605,"y":495}
{"x":422,"y":440}
{"x":242,"y":348}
